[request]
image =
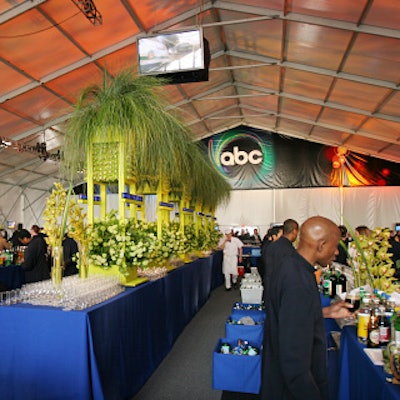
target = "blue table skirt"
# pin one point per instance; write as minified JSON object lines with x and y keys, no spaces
{"x":107,"y":351}
{"x":360,"y":379}
{"x":12,"y":277}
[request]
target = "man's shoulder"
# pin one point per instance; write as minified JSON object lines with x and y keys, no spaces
{"x":280,"y":245}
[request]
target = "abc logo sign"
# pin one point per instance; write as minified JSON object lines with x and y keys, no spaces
{"x":241,"y":157}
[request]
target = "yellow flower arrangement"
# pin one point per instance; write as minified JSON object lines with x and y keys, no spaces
{"x":64,"y":215}
{"x":371,"y":263}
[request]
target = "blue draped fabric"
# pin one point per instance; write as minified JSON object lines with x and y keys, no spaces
{"x":107,"y":351}
{"x":12,"y":277}
{"x":359,"y":378}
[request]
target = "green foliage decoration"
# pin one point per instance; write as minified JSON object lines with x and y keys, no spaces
{"x":134,"y":110}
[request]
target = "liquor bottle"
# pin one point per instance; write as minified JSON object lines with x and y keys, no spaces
{"x":334,"y":280}
{"x":8,"y":258}
{"x":363,"y":320}
{"x":373,"y":326}
{"x":341,"y":286}
{"x":395,"y":322}
{"x":326,"y":286}
{"x":384,"y":327}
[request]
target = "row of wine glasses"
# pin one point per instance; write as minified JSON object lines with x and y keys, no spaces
{"x":74,"y":293}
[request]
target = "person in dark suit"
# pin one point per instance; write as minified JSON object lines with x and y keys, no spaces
{"x":14,"y":239}
{"x":36,"y":264}
{"x":70,"y":248}
{"x":276,"y":251}
{"x":294,"y":356}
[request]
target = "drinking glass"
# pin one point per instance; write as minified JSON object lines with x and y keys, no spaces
{"x":353,"y":298}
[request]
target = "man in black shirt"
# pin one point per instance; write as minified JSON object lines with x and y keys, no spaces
{"x":294,"y":355}
{"x":276,"y":251}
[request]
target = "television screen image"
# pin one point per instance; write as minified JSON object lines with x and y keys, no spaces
{"x":171,"y":53}
{"x":11,"y":224}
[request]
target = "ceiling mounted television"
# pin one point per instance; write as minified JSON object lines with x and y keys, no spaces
{"x":180,"y":57}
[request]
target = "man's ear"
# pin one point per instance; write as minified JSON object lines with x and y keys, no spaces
{"x":321,"y":245}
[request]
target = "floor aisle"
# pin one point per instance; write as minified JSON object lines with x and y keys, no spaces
{"x":186,"y":372}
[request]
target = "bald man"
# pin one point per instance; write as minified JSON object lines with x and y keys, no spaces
{"x":294,"y":360}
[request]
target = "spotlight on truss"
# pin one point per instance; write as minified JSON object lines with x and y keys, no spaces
{"x":90,"y":11}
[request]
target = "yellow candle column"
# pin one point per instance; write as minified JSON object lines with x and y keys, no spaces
{"x":164,"y":207}
{"x":185,"y":213}
{"x":199,"y":217}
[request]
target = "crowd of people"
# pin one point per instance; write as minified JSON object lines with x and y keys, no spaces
{"x":37,"y":255}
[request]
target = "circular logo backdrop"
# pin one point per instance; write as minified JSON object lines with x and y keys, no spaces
{"x":242,"y":157}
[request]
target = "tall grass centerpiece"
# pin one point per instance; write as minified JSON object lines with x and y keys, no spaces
{"x":128,"y":109}
{"x":123,"y":124}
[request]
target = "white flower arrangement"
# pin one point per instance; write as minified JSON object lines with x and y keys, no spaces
{"x":128,"y":243}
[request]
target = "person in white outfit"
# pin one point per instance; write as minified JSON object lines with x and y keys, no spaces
{"x":232,"y":247}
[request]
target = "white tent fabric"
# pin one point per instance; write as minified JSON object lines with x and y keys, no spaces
{"x":371,"y":206}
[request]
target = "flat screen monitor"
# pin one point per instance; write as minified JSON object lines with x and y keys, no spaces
{"x":182,"y":55}
{"x":11,"y":224}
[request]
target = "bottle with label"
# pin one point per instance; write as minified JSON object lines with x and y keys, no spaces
{"x":326,"y":286}
{"x":8,"y":258}
{"x":363,"y":320}
{"x":395,"y":325}
{"x":333,"y":278}
{"x":373,"y":325}
{"x":384,"y":327}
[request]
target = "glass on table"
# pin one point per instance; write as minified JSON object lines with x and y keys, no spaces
{"x":354,"y":299}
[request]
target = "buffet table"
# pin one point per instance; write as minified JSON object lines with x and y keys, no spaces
{"x":359,"y":378}
{"x":107,"y":351}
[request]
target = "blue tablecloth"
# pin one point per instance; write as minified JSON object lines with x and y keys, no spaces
{"x":107,"y":351}
{"x":359,"y":378}
{"x":12,"y":277}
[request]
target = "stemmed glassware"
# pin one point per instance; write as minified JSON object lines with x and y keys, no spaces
{"x":73,"y":294}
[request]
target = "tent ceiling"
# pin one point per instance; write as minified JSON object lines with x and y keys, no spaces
{"x":326,"y":71}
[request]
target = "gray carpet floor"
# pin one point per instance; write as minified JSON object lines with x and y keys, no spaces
{"x":186,"y":372}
